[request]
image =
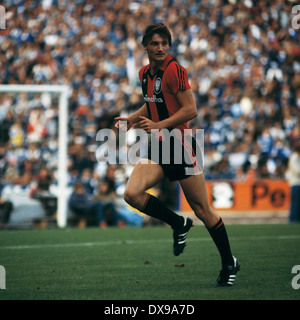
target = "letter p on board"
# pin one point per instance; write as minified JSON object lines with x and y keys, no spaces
{"x":2,"y":278}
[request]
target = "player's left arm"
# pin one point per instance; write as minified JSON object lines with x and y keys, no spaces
{"x":187,"y":112}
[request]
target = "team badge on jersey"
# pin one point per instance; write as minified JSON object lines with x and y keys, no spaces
{"x":157,"y":86}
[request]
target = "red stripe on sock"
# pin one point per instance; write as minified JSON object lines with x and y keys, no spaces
{"x":218,"y":224}
{"x":145,"y":204}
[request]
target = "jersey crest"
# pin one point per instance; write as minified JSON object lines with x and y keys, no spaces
{"x":157,"y":85}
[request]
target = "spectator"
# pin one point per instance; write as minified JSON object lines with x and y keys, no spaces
{"x":81,"y":206}
{"x":110,"y":178}
{"x":5,"y":128}
{"x":25,"y":209}
{"x":104,"y":200}
{"x":6,"y":208}
{"x":43,"y":194}
{"x":86,"y":180}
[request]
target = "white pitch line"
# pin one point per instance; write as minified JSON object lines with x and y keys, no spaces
{"x":124,"y":242}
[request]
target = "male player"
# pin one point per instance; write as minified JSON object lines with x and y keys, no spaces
{"x":169,"y":104}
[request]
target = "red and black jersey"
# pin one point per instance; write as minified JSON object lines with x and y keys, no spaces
{"x":160,"y":89}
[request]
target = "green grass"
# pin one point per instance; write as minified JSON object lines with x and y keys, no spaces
{"x":138,"y":264}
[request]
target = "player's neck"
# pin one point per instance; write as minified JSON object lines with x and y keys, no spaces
{"x":154,"y":66}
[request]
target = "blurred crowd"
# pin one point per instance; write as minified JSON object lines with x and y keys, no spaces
{"x":242,"y":58}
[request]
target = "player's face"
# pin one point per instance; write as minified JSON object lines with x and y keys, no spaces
{"x":158,"y":48}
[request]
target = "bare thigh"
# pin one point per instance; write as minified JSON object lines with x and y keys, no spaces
{"x":144,"y":176}
{"x":195,"y":191}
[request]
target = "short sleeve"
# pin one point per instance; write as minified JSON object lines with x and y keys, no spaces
{"x":177,"y":78}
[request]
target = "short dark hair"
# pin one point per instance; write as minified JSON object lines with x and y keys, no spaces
{"x":159,"y":28}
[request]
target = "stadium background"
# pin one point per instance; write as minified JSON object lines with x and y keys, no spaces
{"x":243,"y":61}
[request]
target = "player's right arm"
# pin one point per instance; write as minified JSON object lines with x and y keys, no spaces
{"x":134,"y":119}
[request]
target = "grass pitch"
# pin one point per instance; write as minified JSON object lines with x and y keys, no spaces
{"x":138,"y":264}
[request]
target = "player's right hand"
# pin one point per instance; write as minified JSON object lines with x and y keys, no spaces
{"x":123,"y":123}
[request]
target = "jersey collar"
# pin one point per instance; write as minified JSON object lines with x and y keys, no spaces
{"x":162,"y":67}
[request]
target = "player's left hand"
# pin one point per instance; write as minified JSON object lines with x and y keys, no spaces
{"x":147,"y":124}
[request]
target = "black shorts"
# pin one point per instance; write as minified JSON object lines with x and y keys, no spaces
{"x":179,"y":156}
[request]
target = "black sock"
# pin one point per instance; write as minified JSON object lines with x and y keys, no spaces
{"x":156,"y":209}
{"x":219,"y":235}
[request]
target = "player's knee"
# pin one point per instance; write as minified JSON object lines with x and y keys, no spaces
{"x":202,"y":212}
{"x":130,"y":197}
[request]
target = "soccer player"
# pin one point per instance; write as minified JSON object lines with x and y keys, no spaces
{"x":170,"y":104}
